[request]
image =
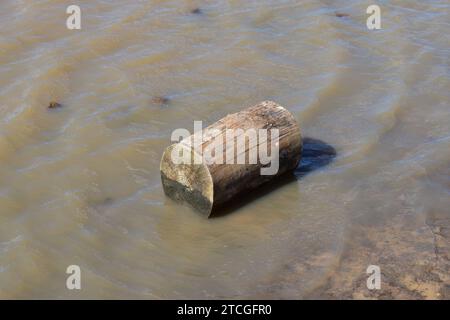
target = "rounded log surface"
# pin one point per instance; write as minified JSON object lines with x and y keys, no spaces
{"x":223,"y":176}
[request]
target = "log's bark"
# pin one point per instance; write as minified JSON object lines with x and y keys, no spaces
{"x":212,"y":183}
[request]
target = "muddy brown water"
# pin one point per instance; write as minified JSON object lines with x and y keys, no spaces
{"x":80,"y":184}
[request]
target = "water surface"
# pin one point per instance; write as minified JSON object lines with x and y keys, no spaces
{"x":80,"y":184}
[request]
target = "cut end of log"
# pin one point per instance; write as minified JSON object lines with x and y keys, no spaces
{"x":187,"y":183}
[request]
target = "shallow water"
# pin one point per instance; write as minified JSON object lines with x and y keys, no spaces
{"x":80,"y":184}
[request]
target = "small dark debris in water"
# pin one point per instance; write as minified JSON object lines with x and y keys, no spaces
{"x":160,"y":100}
{"x":54,"y":105}
{"x":107,"y":201}
{"x":196,"y":11}
{"x":341,"y":14}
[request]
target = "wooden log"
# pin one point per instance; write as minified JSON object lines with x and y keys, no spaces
{"x":212,"y":183}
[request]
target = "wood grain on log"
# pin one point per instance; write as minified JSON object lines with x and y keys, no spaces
{"x":211,"y":184}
